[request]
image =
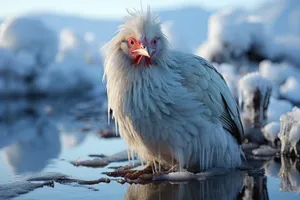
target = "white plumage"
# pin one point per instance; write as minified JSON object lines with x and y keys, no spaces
{"x":170,"y":107}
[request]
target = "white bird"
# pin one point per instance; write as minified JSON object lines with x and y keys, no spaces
{"x":170,"y":107}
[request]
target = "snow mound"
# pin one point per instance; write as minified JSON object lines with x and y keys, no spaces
{"x":277,"y":108}
{"x":240,"y":37}
{"x":282,"y":16}
{"x":234,"y":35}
{"x":277,"y":72}
{"x":254,"y":95}
{"x":291,"y":90}
{"x":30,"y":35}
{"x":290,"y":132}
{"x":68,"y":77}
{"x":271,"y":131}
{"x":30,"y":63}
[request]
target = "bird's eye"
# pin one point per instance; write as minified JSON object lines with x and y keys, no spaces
{"x":154,"y":41}
{"x":131,"y":42}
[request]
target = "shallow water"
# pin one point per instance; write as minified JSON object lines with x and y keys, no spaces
{"x":44,"y":135}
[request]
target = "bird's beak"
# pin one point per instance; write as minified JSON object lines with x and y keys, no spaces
{"x":144,"y":51}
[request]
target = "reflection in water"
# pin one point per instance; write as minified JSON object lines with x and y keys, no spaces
{"x":289,"y":175}
{"x":255,"y":188}
{"x":29,"y":136}
{"x":72,"y":139}
{"x":31,"y":154}
{"x":233,"y":186}
{"x":222,"y":187}
{"x":272,"y":167}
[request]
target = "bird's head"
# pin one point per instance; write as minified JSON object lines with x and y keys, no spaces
{"x":140,"y":40}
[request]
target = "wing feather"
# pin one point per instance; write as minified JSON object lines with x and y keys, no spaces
{"x":215,"y":93}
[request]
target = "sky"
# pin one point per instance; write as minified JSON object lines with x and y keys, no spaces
{"x":110,"y":8}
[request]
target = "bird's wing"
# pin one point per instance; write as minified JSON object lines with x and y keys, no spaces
{"x":201,"y":77}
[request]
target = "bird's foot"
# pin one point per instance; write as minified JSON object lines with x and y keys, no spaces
{"x":119,"y":173}
{"x":251,"y":171}
{"x":132,"y":174}
{"x":143,"y":173}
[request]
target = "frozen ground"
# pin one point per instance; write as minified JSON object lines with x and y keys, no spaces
{"x":50,"y":174}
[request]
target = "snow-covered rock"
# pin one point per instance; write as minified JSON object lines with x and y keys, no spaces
{"x":291,"y":89}
{"x":290,"y":132}
{"x":239,"y":37}
{"x":31,"y":63}
{"x":254,"y":95}
{"x":232,"y":35}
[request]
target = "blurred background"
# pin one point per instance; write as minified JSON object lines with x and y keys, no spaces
{"x":52,"y":99}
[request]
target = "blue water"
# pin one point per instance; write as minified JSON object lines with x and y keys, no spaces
{"x":44,"y":135}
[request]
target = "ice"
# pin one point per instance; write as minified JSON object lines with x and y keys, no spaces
{"x":291,"y":89}
{"x":290,"y":132}
{"x":177,"y":176}
{"x":277,"y":108}
{"x":103,"y":161}
{"x":11,"y":190}
{"x":271,"y":131}
{"x":265,"y":151}
{"x":254,"y":95}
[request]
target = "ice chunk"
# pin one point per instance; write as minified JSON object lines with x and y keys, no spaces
{"x":290,"y":132}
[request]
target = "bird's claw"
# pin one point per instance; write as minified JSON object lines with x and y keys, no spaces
{"x":121,"y":173}
{"x":132,"y":174}
{"x":139,"y":174}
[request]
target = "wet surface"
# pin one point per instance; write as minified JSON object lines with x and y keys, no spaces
{"x":42,"y":143}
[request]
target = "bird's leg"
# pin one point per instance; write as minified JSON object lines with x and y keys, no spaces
{"x":119,"y":173}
